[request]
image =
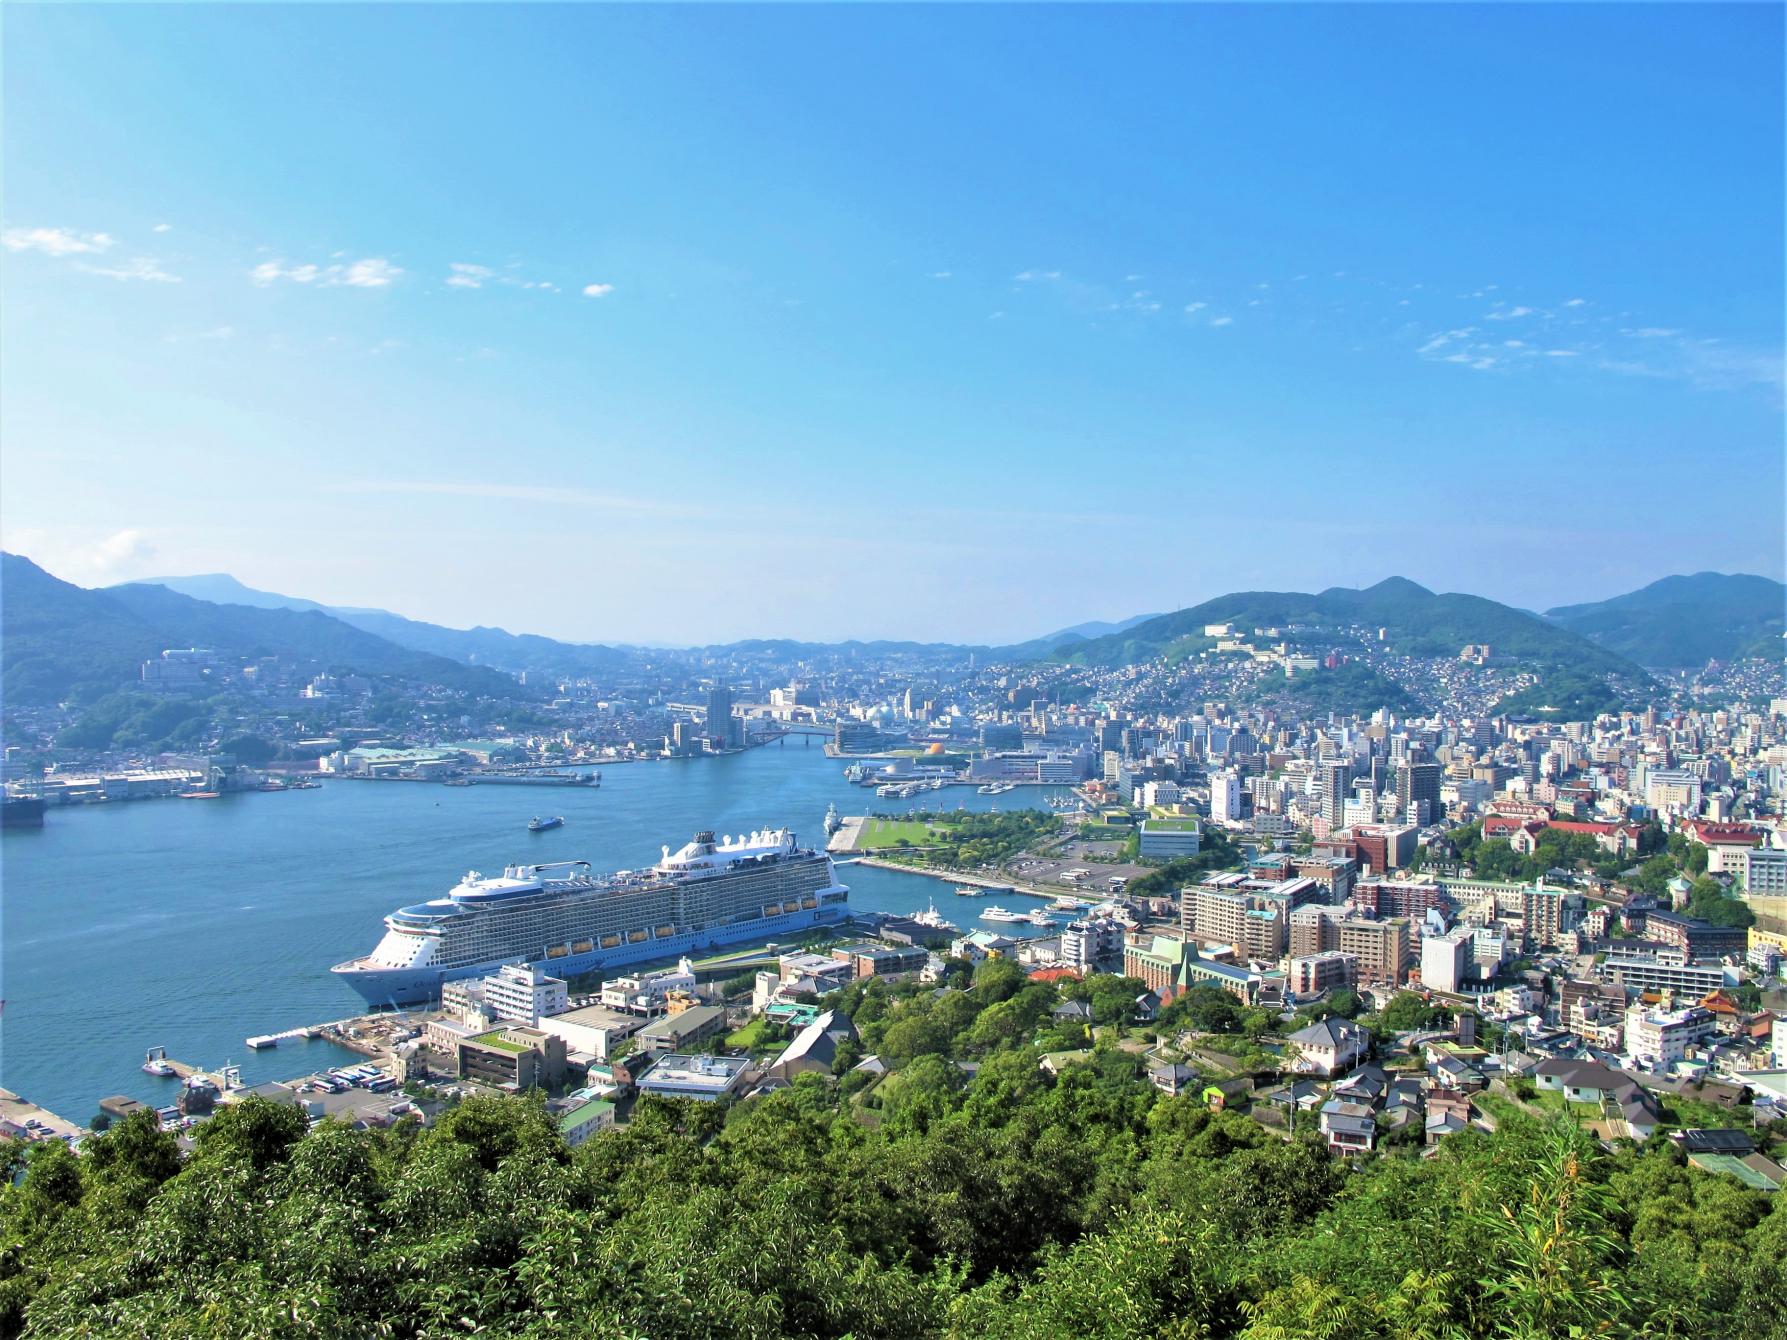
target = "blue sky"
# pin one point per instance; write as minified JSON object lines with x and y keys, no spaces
{"x":670,"y":324}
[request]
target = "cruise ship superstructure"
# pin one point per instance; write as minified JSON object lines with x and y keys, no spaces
{"x":570,"y":921}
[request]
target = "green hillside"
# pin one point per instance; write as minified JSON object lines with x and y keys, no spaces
{"x":1418,"y":623}
{"x":493,"y":647}
{"x":1685,"y":621}
{"x":58,"y":640}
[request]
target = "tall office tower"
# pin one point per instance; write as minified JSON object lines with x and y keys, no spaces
{"x":1418,"y":785}
{"x":719,"y":717}
{"x":1337,"y":785}
{"x":1225,"y":797}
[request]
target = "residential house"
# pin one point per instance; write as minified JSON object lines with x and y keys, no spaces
{"x":1331,"y":1046}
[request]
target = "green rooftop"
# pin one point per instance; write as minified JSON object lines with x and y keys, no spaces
{"x":583,"y":1112}
{"x":495,"y":1038}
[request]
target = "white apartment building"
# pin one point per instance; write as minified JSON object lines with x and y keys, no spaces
{"x":1662,"y":1036}
{"x":1446,"y":960}
{"x":1225,"y":797}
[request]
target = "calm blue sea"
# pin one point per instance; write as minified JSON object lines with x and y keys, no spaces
{"x":195,"y":924}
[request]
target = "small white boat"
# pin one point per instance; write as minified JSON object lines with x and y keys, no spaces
{"x":935,"y":920}
{"x":1000,"y":914}
{"x":155,"y":1062}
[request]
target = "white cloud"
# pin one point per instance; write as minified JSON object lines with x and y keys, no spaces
{"x":121,"y":550}
{"x":597,"y":290}
{"x":1222,"y":320}
{"x":268,"y":272}
{"x":1652,"y":333}
{"x":1561,"y":353}
{"x":464,"y":275}
{"x":139,"y":267}
{"x":1576,"y":302}
{"x":1032,"y":276}
{"x":941,"y":274}
{"x":1509,"y":313}
{"x":56,"y":241}
{"x":162,"y":228}
{"x":373,"y":272}
{"x":1192,"y":308}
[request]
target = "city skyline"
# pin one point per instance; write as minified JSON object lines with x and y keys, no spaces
{"x":874,"y":353}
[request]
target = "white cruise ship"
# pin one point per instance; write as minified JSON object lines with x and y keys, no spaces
{"x":714,"y":891}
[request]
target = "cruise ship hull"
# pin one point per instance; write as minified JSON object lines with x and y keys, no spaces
{"x":416,"y":986}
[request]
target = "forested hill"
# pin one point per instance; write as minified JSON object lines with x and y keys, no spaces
{"x":1417,"y":622}
{"x":58,"y":640}
{"x":1010,"y":1203}
{"x":494,"y":647}
{"x":1686,"y":621}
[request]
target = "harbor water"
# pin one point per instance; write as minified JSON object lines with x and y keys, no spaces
{"x":194,"y":924}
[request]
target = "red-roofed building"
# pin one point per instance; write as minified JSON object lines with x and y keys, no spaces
{"x":1523,"y":834}
{"x":1055,"y":974}
{"x":1725,"y":844}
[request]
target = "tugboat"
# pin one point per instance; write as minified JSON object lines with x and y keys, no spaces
{"x":539,"y":825}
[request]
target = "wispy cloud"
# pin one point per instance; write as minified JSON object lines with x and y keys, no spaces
{"x":1222,"y":320}
{"x":1652,"y":333}
{"x":1509,"y":313}
{"x":1036,"y":276}
{"x":464,"y":275}
{"x":527,"y":493}
{"x":145,"y":268}
{"x":1193,"y":308}
{"x":941,"y":274}
{"x":162,"y":228}
{"x":597,"y":290}
{"x":372,"y":272}
{"x":84,"y":556}
{"x":1576,"y":302}
{"x":56,"y":241}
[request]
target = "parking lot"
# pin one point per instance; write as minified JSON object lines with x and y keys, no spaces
{"x":1092,"y":857}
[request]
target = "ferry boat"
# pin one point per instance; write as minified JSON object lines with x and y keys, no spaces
{"x":155,"y":1062}
{"x":1000,"y":914}
{"x":539,"y":825}
{"x":969,"y":891}
{"x":712,"y":891}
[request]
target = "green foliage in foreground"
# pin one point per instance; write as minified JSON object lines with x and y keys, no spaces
{"x":1014,"y":1206}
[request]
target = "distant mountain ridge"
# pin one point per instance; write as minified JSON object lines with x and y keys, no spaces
{"x":1417,"y":622}
{"x":1685,"y":621}
{"x":59,"y":640}
{"x":495,"y":647}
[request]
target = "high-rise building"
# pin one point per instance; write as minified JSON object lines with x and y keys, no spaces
{"x":1418,"y":793}
{"x":1337,"y":782}
{"x":1225,"y":797}
{"x":720,"y":732}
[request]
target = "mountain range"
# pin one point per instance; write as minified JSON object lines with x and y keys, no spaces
{"x":60,"y":641}
{"x":1685,"y":621}
{"x":495,"y":647}
{"x":1416,"y":622}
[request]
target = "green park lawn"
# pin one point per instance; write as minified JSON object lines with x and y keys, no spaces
{"x":879,"y":833}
